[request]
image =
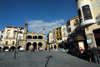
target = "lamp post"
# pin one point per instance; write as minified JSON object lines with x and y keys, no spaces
{"x":49,"y":47}
{"x":16,"y":42}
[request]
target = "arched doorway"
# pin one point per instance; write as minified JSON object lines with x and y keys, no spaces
{"x":27,"y":45}
{"x":12,"y":48}
{"x":39,"y":44}
{"x":55,"y":47}
{"x":0,"y":48}
{"x":5,"y":48}
{"x":35,"y":45}
{"x":19,"y":47}
{"x":40,"y":37}
{"x":34,"y":37}
{"x":29,"y":37}
{"x":97,"y":36}
{"x":60,"y":46}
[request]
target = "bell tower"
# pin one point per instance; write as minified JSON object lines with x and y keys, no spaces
{"x":26,"y":27}
{"x":44,"y":38}
{"x":43,"y":30}
{"x":25,"y":34}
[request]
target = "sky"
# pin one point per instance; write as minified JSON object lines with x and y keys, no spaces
{"x":38,"y":13}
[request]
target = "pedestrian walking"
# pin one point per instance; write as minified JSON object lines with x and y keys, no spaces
{"x":81,"y":52}
{"x":95,"y":55}
{"x":89,"y":53}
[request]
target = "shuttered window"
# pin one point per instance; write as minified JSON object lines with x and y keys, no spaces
{"x":86,"y":12}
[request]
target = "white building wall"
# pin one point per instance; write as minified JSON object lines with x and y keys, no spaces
{"x":2,"y":39}
{"x":64,"y":32}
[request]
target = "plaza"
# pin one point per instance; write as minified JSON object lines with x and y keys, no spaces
{"x":42,"y":59}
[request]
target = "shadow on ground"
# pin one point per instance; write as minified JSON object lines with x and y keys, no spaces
{"x":48,"y":60}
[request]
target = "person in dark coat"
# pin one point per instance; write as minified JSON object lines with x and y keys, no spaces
{"x":89,"y":54}
{"x":95,"y":55}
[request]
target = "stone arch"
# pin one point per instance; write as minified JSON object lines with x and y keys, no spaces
{"x":28,"y":45}
{"x":6,"y":47}
{"x":12,"y":48}
{"x":29,"y":37}
{"x":60,"y":46}
{"x":40,"y":37}
{"x":19,"y":47}
{"x":35,"y":45}
{"x":35,"y":37}
{"x":39,"y":44}
{"x":55,"y":46}
{"x":0,"y":48}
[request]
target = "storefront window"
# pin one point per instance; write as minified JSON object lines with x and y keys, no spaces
{"x":86,"y":12}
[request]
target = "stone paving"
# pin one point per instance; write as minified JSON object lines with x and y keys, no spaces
{"x":42,"y":59}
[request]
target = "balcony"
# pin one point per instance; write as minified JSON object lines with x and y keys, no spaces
{"x":68,"y":27}
{"x":87,"y":23}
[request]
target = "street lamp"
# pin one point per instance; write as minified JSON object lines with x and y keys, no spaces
{"x":16,"y":41}
{"x":49,"y":47}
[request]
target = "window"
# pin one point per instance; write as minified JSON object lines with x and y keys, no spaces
{"x":6,"y":42}
{"x":60,"y":34}
{"x":20,"y":37}
{"x":69,"y":30}
{"x":13,"y":42}
{"x":86,"y":12}
{"x":1,"y":36}
{"x":98,"y":23}
{"x":79,"y":14}
{"x":7,"y":36}
{"x":68,"y":24}
{"x":8,"y":31}
{"x":14,"y":36}
{"x":14,"y":31}
{"x":76,"y":22}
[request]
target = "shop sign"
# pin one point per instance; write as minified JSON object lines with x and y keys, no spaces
{"x":98,"y":17}
{"x":60,"y":41}
{"x":89,"y":41}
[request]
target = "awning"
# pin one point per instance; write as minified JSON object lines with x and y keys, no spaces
{"x":79,"y":38}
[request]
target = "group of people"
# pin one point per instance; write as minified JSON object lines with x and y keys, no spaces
{"x":91,"y":54}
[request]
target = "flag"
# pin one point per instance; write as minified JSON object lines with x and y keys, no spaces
{"x":33,"y":35}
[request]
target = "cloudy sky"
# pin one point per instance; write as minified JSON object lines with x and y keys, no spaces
{"x":38,"y":13}
{"x":38,"y":25}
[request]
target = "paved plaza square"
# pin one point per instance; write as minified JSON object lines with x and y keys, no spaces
{"x":42,"y":59}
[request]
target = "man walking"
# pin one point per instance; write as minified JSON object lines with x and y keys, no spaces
{"x":95,"y":55}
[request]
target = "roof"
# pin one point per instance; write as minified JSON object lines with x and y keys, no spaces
{"x":13,"y":27}
{"x":78,"y":38}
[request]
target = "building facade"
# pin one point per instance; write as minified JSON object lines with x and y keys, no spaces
{"x":1,"y":38}
{"x":52,"y":39}
{"x":89,"y":16}
{"x":76,"y":35}
{"x":35,"y":40}
{"x":12,"y":37}
{"x":16,"y":37}
{"x":64,"y":33}
{"x":59,"y":37}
